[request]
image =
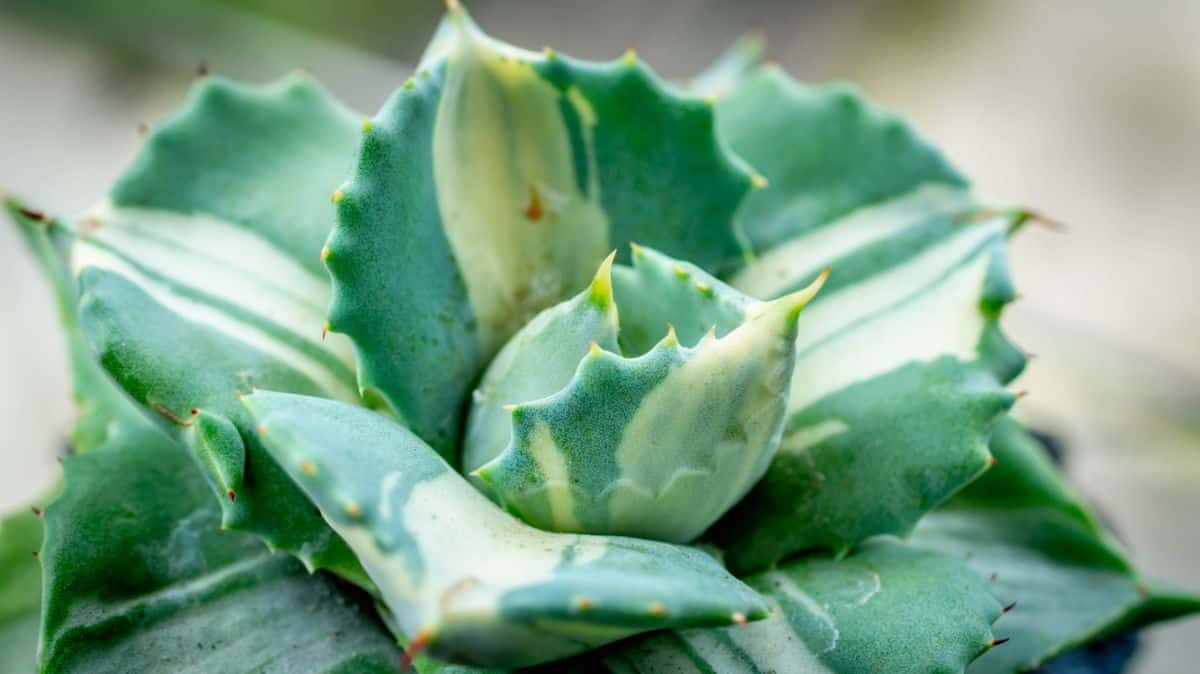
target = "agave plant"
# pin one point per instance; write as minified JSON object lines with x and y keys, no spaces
{"x":577,"y":369}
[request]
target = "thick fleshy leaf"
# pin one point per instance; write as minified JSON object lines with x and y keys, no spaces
{"x":200,"y":276}
{"x":140,"y":577}
{"x":490,"y":186}
{"x":100,"y":405}
{"x":463,"y":578}
{"x":20,"y":591}
{"x":538,"y":361}
{"x":888,"y":607}
{"x":899,"y":375}
{"x":824,"y":151}
{"x":659,"y":445}
{"x":1071,"y":582}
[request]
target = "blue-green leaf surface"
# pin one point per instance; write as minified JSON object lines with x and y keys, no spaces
{"x":200,"y":277}
{"x":887,"y":607}
{"x":140,"y":577}
{"x":824,"y":151}
{"x":466,"y":580}
{"x":900,"y":373}
{"x":1022,"y":526}
{"x":489,"y":187}
{"x":661,"y":444}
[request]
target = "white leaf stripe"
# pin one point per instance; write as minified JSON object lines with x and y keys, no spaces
{"x":817,"y":248}
{"x":875,"y":327}
{"x":288,"y":342}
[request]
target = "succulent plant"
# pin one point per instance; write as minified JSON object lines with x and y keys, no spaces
{"x":578,"y":370}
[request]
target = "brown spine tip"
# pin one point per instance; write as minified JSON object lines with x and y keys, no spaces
{"x":1006,"y":609}
{"x":32,"y":214}
{"x":143,"y":128}
{"x":37,"y":555}
{"x":997,"y":642}
{"x":534,"y":210}
{"x":994,"y":577}
{"x":261,"y":429}
{"x":419,"y":643}
{"x":991,"y":461}
{"x":202,"y":69}
{"x":232,"y":496}
{"x":37,"y":511}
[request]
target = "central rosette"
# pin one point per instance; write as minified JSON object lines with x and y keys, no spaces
{"x":585,"y":423}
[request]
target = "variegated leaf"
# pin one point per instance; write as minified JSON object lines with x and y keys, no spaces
{"x":489,"y":187}
{"x":888,"y":607}
{"x":824,"y":150}
{"x":199,"y":277}
{"x":461,"y":577}
{"x":901,"y":364}
{"x":1071,"y":582}
{"x":657,"y":444}
{"x":140,"y":577}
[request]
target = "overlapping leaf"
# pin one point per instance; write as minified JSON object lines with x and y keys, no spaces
{"x":901,"y":365}
{"x":489,"y":187}
{"x":1071,"y":582}
{"x":140,"y":577}
{"x":200,"y":277}
{"x":466,"y":580}
{"x":656,"y":444}
{"x":888,"y":607}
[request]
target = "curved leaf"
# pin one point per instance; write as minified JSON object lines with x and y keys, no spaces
{"x":1071,"y":583}
{"x":139,"y":577}
{"x":824,"y":150}
{"x":200,"y":277}
{"x":888,"y":607}
{"x":462,"y":577}
{"x":899,"y":374}
{"x":660,"y":445}
{"x":496,"y":180}
{"x":20,"y":591}
{"x":100,"y":406}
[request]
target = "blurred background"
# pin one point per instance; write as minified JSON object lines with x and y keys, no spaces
{"x":1086,"y":110}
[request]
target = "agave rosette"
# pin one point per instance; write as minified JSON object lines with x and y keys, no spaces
{"x":573,"y":360}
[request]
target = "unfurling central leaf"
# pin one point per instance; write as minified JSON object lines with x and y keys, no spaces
{"x":657,"y":445}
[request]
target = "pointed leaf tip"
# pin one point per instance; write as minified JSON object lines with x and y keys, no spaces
{"x":602,"y":286}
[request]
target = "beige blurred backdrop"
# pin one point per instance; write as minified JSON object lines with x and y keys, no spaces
{"x":1088,"y":111}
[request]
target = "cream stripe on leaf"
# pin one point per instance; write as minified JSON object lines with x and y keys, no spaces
{"x":200,"y":278}
{"x":825,"y":152}
{"x":658,"y":444}
{"x":465,"y":580}
{"x":900,"y":373}
{"x":490,"y":186}
{"x":901,"y":366}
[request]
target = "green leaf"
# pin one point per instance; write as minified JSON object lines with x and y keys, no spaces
{"x":659,"y":445}
{"x":100,"y":406}
{"x":20,"y":590}
{"x":824,"y":150}
{"x":888,"y":607}
{"x":538,"y":361}
{"x":140,"y":577}
{"x":471,"y":583}
{"x":1071,"y":582}
{"x":494,"y":182}
{"x":899,"y":375}
{"x":200,"y":277}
